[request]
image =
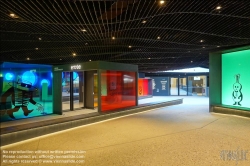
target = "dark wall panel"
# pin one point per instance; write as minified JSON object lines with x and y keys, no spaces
{"x":215,"y":78}
{"x":160,"y":86}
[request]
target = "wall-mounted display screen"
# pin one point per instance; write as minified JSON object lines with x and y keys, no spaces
{"x":26,"y":91}
{"x":236,"y":79}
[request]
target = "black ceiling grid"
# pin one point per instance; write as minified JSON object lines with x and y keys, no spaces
{"x":155,"y":36}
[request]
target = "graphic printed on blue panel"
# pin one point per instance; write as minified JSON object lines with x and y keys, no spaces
{"x":21,"y":91}
{"x":160,"y":86}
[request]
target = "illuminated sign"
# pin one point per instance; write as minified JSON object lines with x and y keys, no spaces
{"x":197,"y":78}
{"x":236,"y":79}
{"x":74,"y":67}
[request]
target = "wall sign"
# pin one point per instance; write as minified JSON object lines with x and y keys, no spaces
{"x":57,"y":69}
{"x":76,"y":67}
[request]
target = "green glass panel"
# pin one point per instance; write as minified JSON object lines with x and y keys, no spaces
{"x":236,"y":78}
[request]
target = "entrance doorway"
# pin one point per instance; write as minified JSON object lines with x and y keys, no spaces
{"x":178,"y":86}
{"x":79,"y":90}
{"x":174,"y":86}
{"x":183,"y":86}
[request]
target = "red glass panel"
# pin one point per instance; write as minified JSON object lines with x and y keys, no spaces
{"x":140,"y":87}
{"x":118,"y":90}
{"x":145,"y":87}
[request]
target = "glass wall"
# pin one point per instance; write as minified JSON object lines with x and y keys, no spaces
{"x":26,"y":90}
{"x":197,"y":86}
{"x":118,"y":90}
{"x":65,"y":91}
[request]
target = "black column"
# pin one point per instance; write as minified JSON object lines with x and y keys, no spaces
{"x":57,"y":92}
{"x":71,"y":92}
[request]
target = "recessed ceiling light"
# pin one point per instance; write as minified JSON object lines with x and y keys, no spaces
{"x":113,"y":38}
{"x":86,"y":43}
{"x":203,"y":47}
{"x":129,"y":46}
{"x":191,"y":61}
{"x":218,"y":7}
{"x":28,"y":58}
{"x":13,"y":15}
{"x":84,"y":30}
{"x":201,"y":41}
{"x":60,"y":59}
{"x":36,"y":48}
{"x":39,"y":38}
{"x":90,"y":60}
{"x":218,"y":46}
{"x":144,"y":21}
{"x":149,"y":58}
{"x":74,"y":54}
{"x":158,"y":37}
{"x":162,"y":2}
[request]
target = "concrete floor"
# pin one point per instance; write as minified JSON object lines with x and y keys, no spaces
{"x":185,"y":134}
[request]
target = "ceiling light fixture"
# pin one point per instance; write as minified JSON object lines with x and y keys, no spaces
{"x":218,"y":46}
{"x":74,"y":54}
{"x":39,"y":38}
{"x":203,"y":47}
{"x":201,"y":41}
{"x":60,"y":59}
{"x":86,"y":43}
{"x":158,"y":37}
{"x":28,"y":58}
{"x":218,"y":7}
{"x":113,"y":38}
{"x":149,"y":58}
{"x":12,"y":15}
{"x":144,"y":21}
{"x":162,"y":2}
{"x":191,"y":61}
{"x":84,"y":30}
{"x":90,"y":60}
{"x":129,"y":46}
{"x":36,"y":48}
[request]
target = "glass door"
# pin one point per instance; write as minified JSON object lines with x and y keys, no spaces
{"x":173,"y":86}
{"x":182,"y":86}
{"x":66,"y":91}
{"x":72,"y":91}
{"x":78,"y":90}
